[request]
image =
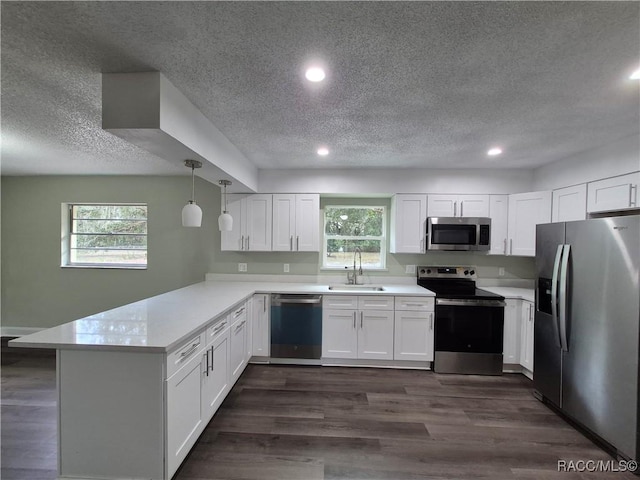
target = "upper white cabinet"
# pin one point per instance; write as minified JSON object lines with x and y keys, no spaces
{"x":252,"y":215}
{"x":408,"y":217}
{"x":296,"y":222}
{"x":617,"y":193}
{"x":499,"y":214}
{"x":526,"y":210}
{"x":458,"y":205}
{"x":569,"y":204}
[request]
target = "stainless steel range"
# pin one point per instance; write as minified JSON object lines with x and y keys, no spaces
{"x":469,"y":321}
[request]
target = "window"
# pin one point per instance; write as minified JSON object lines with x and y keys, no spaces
{"x":347,"y":228}
{"x":105,"y":236}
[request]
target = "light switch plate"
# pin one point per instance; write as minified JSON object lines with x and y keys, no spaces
{"x":501,"y":272}
{"x":411,"y":269}
{"x":286,"y":268}
{"x":242,"y":267}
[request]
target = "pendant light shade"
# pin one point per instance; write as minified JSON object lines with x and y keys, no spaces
{"x":191,"y":212}
{"x":225,"y":220}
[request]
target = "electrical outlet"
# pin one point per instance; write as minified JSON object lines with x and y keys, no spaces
{"x":410,"y":269}
{"x":286,"y":268}
{"x":242,"y":267}
{"x":501,"y":272}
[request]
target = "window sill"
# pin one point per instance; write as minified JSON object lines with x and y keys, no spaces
{"x":107,"y":267}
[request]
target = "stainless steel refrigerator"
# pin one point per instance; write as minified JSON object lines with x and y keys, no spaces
{"x":587,"y":325}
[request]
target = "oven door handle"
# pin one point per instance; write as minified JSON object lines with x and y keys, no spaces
{"x":470,"y":303}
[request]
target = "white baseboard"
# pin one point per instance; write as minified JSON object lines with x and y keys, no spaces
{"x":18,"y":331}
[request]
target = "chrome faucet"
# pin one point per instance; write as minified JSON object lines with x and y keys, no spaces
{"x":357,"y":251}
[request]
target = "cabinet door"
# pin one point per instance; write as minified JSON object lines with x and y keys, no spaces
{"x":238,"y":342}
{"x":408,"y":217}
{"x":526,"y":340}
{"x":215,"y":383}
{"x":498,"y":211}
{"x":234,"y":239}
{"x":184,"y":410}
{"x":413,"y":336}
{"x":512,"y":327}
{"x":375,"y":334}
{"x":617,"y":193}
{"x":259,"y":220}
{"x":526,"y":210}
{"x":473,"y":206}
{"x":307,"y":238}
{"x":260,"y":327}
{"x":339,"y":334}
{"x":569,"y":204}
{"x":442,"y":205}
{"x":284,"y":222}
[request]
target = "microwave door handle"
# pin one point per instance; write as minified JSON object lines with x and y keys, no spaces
{"x":554,"y":292}
{"x":563,"y":294}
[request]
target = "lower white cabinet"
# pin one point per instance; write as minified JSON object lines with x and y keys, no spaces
{"x":512,"y":328}
{"x":215,"y":381}
{"x":260,"y":331}
{"x":185,"y":412}
{"x":358,"y":333}
{"x":414,"y":329}
{"x":526,"y":337}
{"x":238,"y":343}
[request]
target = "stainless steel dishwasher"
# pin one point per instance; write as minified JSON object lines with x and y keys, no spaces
{"x":296,"y":327}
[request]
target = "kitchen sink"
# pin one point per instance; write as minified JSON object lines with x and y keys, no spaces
{"x":357,"y":288}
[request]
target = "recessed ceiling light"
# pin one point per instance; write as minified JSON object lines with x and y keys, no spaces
{"x":314,"y":74}
{"x":635,"y":75}
{"x":494,"y":151}
{"x":323,"y":152}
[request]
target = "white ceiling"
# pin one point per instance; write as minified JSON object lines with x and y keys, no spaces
{"x":409,"y":84}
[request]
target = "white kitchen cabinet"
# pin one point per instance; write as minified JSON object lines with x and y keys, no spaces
{"x":499,"y":214}
{"x":296,"y":222}
{"x":185,"y":409}
{"x":458,"y":205}
{"x":569,"y":203}
{"x":611,"y":194}
{"x":526,"y":210}
{"x":526,"y":338}
{"x":215,"y":381}
{"x":252,"y":223}
{"x":408,"y":217}
{"x":260,"y":327}
{"x":413,"y":328}
{"x":512,"y":331}
{"x":238,"y":342}
{"x":364,"y":333}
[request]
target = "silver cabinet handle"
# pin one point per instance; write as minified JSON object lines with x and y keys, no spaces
{"x":431,"y":322}
{"x":354,"y":319}
{"x":505,"y":246}
{"x":247,"y":242}
{"x":455,"y":204}
{"x":291,"y":243}
{"x":219,"y":328}
{"x":206,"y":358}
{"x":511,"y":246}
{"x":239,"y":327}
{"x":212,"y":366}
{"x":264,"y":303}
{"x":238,"y":312}
{"x":242,"y":242}
{"x":632,"y":198}
{"x":462,"y":208}
{"x":192,"y":349}
{"x":297,"y":243}
{"x":361,"y":315}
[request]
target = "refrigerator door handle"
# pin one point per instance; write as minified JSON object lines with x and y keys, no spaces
{"x":554,"y":291}
{"x":564,"y":269}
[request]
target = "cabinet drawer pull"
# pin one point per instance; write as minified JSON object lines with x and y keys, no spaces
{"x":431,"y":322}
{"x":455,"y":204}
{"x":206,"y":368}
{"x":297,"y":244}
{"x":361,"y":315}
{"x":291,"y":243}
{"x":461,"y":208}
{"x":238,"y":312}
{"x":354,"y":319}
{"x":511,"y":246}
{"x":240,"y":325}
{"x":633,"y":198}
{"x":190,"y":351}
{"x":219,"y":328}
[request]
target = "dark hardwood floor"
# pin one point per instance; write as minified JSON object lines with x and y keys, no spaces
{"x":306,"y":423}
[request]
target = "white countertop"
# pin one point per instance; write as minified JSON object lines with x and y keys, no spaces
{"x":163,"y":322}
{"x":513,"y":292}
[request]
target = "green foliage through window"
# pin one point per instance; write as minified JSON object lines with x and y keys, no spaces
{"x":108,"y":235}
{"x":348,"y":228}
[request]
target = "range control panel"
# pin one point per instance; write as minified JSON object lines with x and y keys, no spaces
{"x":439,"y":271}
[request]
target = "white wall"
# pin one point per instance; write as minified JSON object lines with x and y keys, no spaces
{"x":608,"y":161}
{"x":390,"y":181}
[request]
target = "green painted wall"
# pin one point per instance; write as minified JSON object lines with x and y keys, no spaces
{"x":37,"y":292}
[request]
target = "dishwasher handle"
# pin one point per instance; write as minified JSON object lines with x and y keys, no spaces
{"x":289,"y":299}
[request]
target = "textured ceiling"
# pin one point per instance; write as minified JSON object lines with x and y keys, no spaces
{"x":409,"y":84}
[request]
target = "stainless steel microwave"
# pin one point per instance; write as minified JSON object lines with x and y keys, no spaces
{"x":458,"y":233}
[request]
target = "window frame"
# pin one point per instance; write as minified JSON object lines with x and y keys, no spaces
{"x":67,"y":234}
{"x":382,"y":238}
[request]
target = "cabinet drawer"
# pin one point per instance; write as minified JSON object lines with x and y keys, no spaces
{"x":216,"y":328}
{"x":346,"y":302}
{"x":375,"y":302}
{"x":181,"y":355}
{"x":415,"y":304}
{"x":238,"y":313}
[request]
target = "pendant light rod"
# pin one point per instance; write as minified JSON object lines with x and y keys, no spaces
{"x":193,"y":164}
{"x":225,"y":220}
{"x":225,"y":184}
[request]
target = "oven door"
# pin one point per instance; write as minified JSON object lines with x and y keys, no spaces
{"x":469,"y":336}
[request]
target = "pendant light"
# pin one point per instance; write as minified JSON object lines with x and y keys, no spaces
{"x":225,"y":220}
{"x":192,"y":213}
